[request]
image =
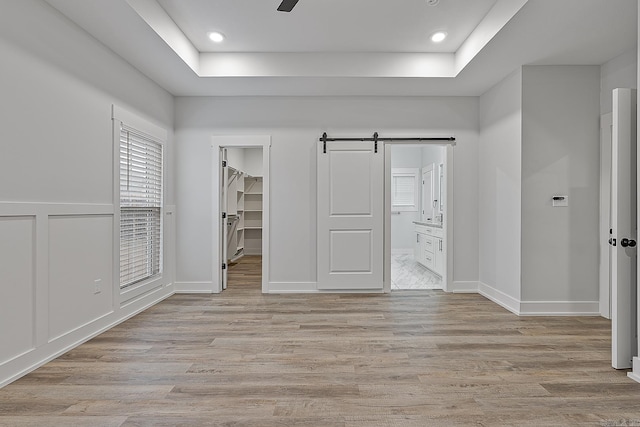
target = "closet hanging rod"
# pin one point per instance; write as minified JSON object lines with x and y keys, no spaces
{"x":377,"y":139}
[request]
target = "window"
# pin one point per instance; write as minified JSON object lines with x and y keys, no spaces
{"x":404,"y":190}
{"x":140,"y":206}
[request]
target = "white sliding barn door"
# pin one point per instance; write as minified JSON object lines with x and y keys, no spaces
{"x":350,"y":216}
{"x":623,"y":229}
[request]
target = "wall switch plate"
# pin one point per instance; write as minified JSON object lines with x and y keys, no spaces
{"x":97,"y":286}
{"x":560,"y":201}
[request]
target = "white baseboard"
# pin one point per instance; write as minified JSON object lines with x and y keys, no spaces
{"x":401,"y":251}
{"x":499,"y":297}
{"x":193,"y":287}
{"x":559,"y":308}
{"x":460,"y":287}
{"x":539,"y":308}
{"x":635,"y":374}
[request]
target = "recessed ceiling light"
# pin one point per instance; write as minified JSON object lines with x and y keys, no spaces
{"x":438,"y":37}
{"x":216,"y":37}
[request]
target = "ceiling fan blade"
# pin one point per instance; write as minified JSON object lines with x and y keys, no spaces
{"x":287,"y":5}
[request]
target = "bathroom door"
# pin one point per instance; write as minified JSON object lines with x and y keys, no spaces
{"x":350,"y":216}
{"x":428,"y":185}
{"x":623,"y":229}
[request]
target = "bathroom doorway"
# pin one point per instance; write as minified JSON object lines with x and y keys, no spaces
{"x":418,"y":219}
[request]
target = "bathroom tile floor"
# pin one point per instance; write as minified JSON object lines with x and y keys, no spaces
{"x":407,"y":273}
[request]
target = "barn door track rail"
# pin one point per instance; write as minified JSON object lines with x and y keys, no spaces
{"x":375,"y":139}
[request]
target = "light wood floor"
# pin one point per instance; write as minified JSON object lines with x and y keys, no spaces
{"x":413,"y":358}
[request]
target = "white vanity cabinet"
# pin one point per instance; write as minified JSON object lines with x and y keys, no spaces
{"x":429,"y":247}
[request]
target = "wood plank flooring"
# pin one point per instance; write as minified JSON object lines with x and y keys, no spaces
{"x":412,"y":358}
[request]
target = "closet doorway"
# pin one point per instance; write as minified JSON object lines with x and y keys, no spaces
{"x":418,"y":218}
{"x":241,"y":212}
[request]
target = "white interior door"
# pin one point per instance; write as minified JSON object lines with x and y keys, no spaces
{"x":224,"y":230}
{"x":350,"y":216}
{"x":623,"y":228}
{"x":428,"y":204}
{"x":606,"y":132}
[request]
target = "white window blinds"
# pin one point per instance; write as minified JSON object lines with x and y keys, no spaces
{"x":404,"y":190}
{"x":140,"y":206}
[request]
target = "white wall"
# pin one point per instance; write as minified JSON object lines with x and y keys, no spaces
{"x":295,"y":125}
{"x":498,"y":185}
{"x":621,"y":71}
{"x":248,"y":160}
{"x":235,"y":158}
{"x":539,"y":137}
{"x":58,"y":86}
{"x":253,"y":161}
{"x":560,"y":155}
{"x":403,"y":233}
{"x":432,"y":154}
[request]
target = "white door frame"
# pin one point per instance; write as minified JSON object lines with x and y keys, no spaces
{"x":447,"y":282}
{"x":238,"y":141}
{"x":224,"y":207}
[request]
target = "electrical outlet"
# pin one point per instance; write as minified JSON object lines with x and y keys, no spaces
{"x":98,"y":286}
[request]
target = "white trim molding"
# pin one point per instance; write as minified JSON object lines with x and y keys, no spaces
{"x":635,"y":374}
{"x":499,"y":297}
{"x":539,"y":308}
{"x":559,"y":308}
{"x":193,"y":288}
{"x":461,"y":287}
{"x":54,"y":209}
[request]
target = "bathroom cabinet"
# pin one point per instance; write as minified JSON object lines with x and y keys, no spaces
{"x":429,"y":247}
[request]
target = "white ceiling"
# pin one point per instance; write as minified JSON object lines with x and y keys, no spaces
{"x":327,"y":25}
{"x":352,"y":47}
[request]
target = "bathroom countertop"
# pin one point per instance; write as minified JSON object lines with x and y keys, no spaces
{"x":429,"y":223}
